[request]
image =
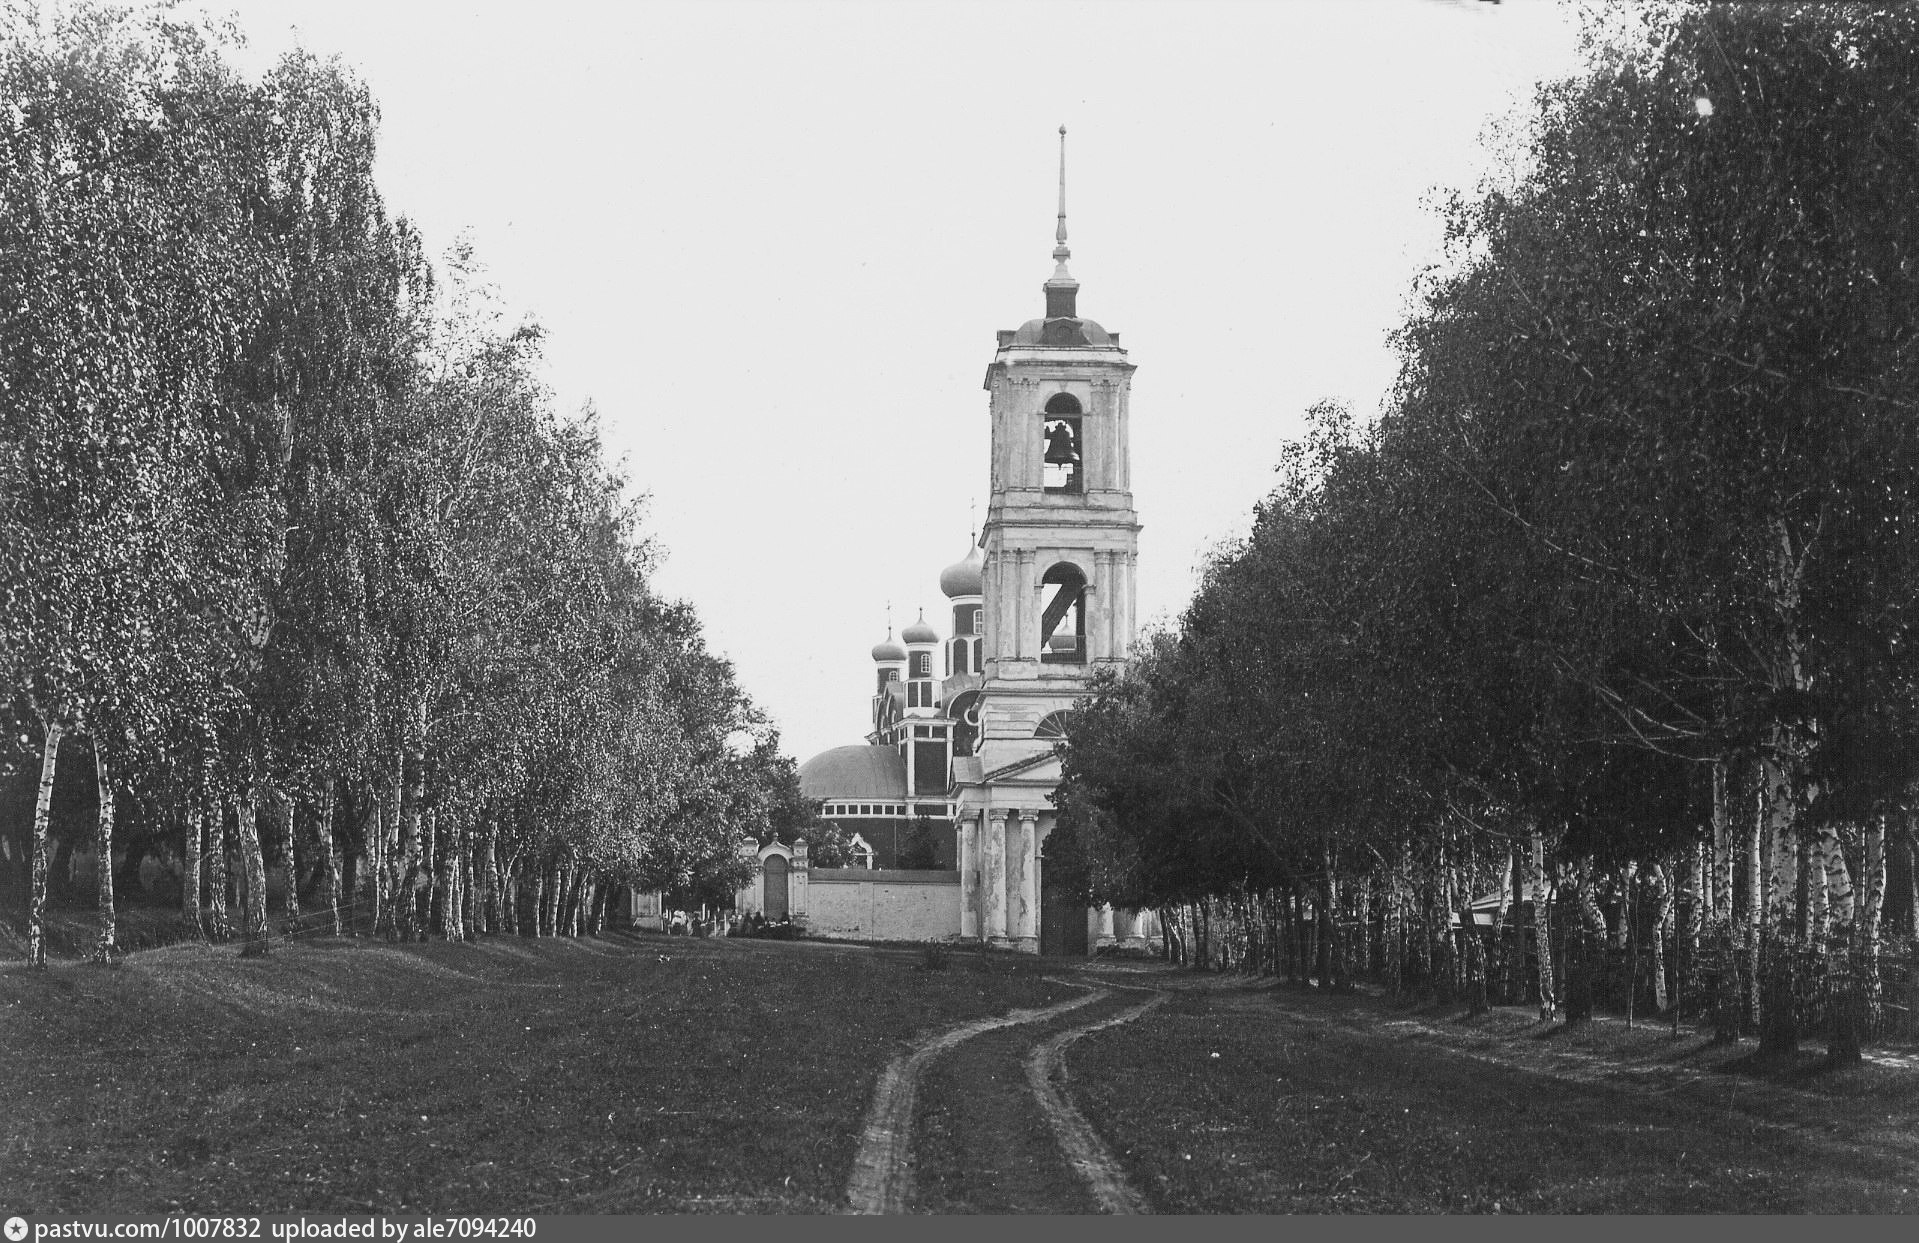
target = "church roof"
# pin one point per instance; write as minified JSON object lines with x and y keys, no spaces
{"x":964,"y":577}
{"x":919,"y":632}
{"x":855,"y":772}
{"x":889,"y":651}
{"x":1064,"y":330}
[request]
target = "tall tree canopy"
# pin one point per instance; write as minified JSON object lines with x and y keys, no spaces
{"x":293,"y":537}
{"x":1626,"y":570}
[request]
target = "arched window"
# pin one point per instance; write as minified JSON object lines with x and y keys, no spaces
{"x":1054,"y":725}
{"x":964,"y":711}
{"x":1062,"y":623}
{"x":922,"y":664}
{"x":1061,"y":447}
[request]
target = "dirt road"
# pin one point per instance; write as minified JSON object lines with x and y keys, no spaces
{"x":1168,"y":1092}
{"x":979,"y":1118}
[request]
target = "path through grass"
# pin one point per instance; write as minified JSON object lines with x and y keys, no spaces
{"x":631,"y":1074}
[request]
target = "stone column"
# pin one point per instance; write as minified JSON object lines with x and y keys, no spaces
{"x":969,"y":877}
{"x":1016,"y":591}
{"x":1105,"y":925}
{"x":1105,"y":603}
{"x":993,"y":876}
{"x":1028,"y":923}
{"x":1036,"y":594}
{"x":1030,"y":595}
{"x":1006,"y":607}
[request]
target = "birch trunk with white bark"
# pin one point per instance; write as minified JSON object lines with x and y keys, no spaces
{"x":253,"y":868}
{"x":103,"y":945}
{"x":42,"y":848}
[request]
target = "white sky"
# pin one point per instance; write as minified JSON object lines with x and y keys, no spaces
{"x":772,"y":242}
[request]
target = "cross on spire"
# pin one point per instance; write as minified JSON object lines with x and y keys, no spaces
{"x":1062,"y":291}
{"x":1059,"y":234}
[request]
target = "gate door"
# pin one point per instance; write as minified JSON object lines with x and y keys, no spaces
{"x":774,"y":895}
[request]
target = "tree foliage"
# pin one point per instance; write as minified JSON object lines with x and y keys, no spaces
{"x":293,"y":538}
{"x":1626,"y":564}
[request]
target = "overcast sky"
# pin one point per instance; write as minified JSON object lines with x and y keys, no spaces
{"x":771,"y":243}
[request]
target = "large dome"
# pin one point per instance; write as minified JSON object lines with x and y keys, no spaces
{"x":963,"y":577}
{"x":1061,"y":331}
{"x":855,"y":772}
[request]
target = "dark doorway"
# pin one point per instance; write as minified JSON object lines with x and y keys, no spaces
{"x":1062,"y":921}
{"x":774,"y":894}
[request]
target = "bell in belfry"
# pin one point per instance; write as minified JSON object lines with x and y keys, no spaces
{"x":1060,"y":449}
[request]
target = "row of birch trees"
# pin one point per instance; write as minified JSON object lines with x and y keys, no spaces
{"x":293,"y":544}
{"x":1608,"y":620}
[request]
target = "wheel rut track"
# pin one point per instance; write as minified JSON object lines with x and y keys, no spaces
{"x":882,"y":1178}
{"x":1081,"y":1144}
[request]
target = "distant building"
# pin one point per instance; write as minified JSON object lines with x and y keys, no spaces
{"x":955,"y":777}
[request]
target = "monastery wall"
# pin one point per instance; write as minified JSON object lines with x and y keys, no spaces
{"x":853,"y":904}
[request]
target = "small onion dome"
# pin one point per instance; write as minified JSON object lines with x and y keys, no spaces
{"x":888,"y":651}
{"x":964,"y":577}
{"x":919,"y":632}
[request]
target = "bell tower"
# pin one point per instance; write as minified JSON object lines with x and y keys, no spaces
{"x":1061,"y":536}
{"x":1060,"y":547}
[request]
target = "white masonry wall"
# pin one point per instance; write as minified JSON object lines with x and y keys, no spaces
{"x":854,"y":904}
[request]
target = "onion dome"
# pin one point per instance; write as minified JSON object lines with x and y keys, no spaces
{"x":964,"y":577}
{"x":919,"y":632}
{"x":889,"y":650}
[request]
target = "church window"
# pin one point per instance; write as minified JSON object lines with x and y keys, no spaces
{"x":1062,"y":624}
{"x":1054,"y":725}
{"x":965,"y":714}
{"x":922,"y":664}
{"x":1060,"y":444}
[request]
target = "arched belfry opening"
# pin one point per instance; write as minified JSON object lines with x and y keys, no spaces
{"x":1064,"y":452}
{"x":1062,"y":623}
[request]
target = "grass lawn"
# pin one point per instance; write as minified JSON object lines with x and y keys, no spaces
{"x":1243,"y":1098}
{"x":630,"y":1074}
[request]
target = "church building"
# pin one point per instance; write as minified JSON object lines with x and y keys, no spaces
{"x":949,"y":795}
